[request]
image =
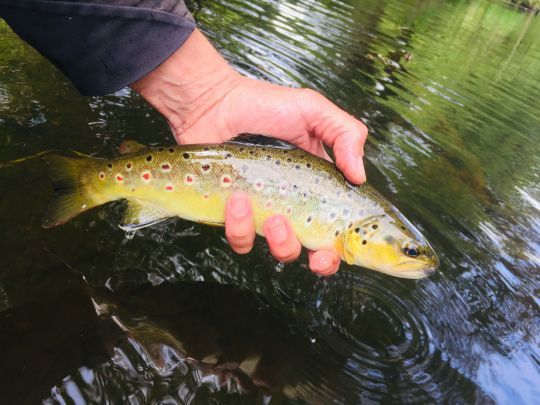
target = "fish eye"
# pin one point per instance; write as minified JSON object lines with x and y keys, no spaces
{"x":411,"y":251}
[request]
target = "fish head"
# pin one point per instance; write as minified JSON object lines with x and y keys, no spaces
{"x":390,"y":244}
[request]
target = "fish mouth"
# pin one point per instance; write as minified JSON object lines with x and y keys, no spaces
{"x":420,"y":270}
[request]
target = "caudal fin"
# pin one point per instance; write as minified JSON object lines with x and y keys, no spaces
{"x":69,"y":199}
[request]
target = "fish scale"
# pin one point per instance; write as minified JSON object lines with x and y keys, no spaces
{"x":194,"y":182}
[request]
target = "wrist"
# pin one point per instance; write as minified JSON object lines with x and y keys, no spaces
{"x":188,"y":83}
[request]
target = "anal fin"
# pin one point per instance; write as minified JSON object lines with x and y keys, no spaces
{"x":141,"y":214}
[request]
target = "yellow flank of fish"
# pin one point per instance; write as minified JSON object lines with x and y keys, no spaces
{"x":194,"y":182}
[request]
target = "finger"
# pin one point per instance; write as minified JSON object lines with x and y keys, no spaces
{"x":323,"y":262}
{"x":341,"y":131}
{"x":239,"y":228}
{"x":349,"y":150}
{"x":281,"y":238}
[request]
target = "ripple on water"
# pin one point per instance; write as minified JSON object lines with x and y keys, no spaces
{"x":381,"y":343}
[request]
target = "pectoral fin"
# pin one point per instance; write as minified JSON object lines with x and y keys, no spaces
{"x":220,"y":224}
{"x":140,"y":214}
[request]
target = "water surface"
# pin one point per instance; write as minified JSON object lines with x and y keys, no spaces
{"x":449,"y":91}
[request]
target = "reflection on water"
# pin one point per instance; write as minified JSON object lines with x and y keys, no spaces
{"x":450,"y":93}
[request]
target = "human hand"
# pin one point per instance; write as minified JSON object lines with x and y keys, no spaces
{"x":205,"y":101}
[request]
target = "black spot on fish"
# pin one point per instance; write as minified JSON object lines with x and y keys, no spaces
{"x":171,"y":150}
{"x":206,"y":148}
{"x":185,"y":155}
{"x":374,"y":226}
{"x":309,"y":219}
{"x":350,"y":225}
{"x":297,"y":167}
{"x":357,"y":230}
{"x":251,"y":152}
{"x":289,"y":160}
{"x":268,"y":157}
{"x":109,"y":165}
{"x":149,"y":158}
{"x":403,"y":228}
{"x":128,"y":166}
{"x":228,"y":155}
{"x":308,"y":165}
{"x":364,"y":242}
{"x":337,"y":233}
{"x":278,"y":162}
{"x":160,"y":149}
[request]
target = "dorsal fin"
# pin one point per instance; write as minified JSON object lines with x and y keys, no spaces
{"x":129,"y":146}
{"x":261,"y":140}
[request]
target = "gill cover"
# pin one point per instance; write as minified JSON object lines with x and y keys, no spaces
{"x":391,"y":245}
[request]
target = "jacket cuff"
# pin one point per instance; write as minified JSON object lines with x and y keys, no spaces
{"x":100,"y":47}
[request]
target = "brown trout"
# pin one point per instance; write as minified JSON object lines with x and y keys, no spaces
{"x":194,"y":181}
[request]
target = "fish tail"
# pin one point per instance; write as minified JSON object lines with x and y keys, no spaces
{"x":70,"y":199}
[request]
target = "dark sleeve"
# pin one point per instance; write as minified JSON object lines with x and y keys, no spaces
{"x":101,"y":45}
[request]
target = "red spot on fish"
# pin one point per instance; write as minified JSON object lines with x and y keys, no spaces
{"x":259,"y":184}
{"x":226,"y":181}
{"x":169,"y":188}
{"x":165,"y":167}
{"x":189,"y":179}
{"x":205,"y":167}
{"x":206,"y":196}
{"x":119,"y":178}
{"x":146,"y":176}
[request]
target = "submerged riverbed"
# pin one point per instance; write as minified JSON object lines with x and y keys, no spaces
{"x":449,"y":91}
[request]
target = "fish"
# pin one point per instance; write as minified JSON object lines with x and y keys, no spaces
{"x":193,"y":182}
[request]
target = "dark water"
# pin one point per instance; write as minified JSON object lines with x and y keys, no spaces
{"x":450,"y":92}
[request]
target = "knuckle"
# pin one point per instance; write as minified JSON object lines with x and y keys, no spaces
{"x":312,"y":97}
{"x":361,"y":129}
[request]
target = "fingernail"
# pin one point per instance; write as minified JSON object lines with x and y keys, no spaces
{"x":277,"y":230}
{"x":239,"y":206}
